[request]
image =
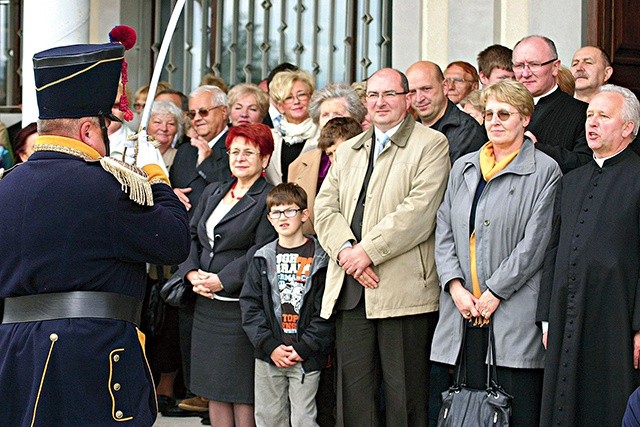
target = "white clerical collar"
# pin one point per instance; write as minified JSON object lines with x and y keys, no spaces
{"x":380,"y":135}
{"x":600,"y":161}
{"x":537,"y":98}
{"x":217,"y":137}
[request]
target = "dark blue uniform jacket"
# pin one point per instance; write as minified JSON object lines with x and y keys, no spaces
{"x":66,"y":225}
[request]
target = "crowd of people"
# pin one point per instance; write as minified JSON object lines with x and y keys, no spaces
{"x":353,"y":247}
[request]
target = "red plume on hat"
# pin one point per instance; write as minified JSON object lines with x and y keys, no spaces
{"x":126,"y":36}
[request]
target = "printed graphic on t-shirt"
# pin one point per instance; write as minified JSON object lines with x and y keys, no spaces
{"x":293,"y":268}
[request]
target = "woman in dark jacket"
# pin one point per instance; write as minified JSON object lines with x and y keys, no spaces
{"x":228,"y":226}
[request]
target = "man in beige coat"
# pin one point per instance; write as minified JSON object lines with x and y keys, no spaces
{"x":375,"y":216}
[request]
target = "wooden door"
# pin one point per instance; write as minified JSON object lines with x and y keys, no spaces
{"x":613,"y":25}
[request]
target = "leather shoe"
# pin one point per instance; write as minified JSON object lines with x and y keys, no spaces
{"x":164,"y":403}
{"x":205,"y":421}
{"x":196,"y":404}
{"x":175,"y":411}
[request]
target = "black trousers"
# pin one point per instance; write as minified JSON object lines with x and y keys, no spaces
{"x":394,"y":351}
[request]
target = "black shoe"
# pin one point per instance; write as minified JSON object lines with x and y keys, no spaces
{"x":164,"y":403}
{"x":174,"y":411}
{"x":205,"y":421}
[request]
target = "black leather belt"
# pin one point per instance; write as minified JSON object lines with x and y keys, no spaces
{"x":70,"y":305}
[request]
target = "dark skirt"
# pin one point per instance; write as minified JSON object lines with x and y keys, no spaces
{"x":222,"y":360}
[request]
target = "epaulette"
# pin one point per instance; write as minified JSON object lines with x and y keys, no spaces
{"x":5,"y":172}
{"x":132,"y":179}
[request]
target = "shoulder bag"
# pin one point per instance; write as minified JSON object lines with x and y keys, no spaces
{"x":463,"y":406}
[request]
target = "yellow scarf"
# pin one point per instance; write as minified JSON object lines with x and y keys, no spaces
{"x":489,"y":168}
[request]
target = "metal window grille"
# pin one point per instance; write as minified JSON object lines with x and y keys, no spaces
{"x":241,"y":41}
{"x":10,"y":37}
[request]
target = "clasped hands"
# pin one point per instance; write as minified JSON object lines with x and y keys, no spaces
{"x":204,"y":283}
{"x":355,"y":262}
{"x":285,"y":355}
{"x":471,"y":307}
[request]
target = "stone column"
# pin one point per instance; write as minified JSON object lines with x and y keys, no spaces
{"x":48,"y":24}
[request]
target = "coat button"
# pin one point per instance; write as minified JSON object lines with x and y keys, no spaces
{"x":487,"y":222}
{"x":53,"y":337}
{"x":119,"y":414}
{"x":116,"y":386}
{"x":211,"y":255}
{"x":217,"y":237}
{"x":116,"y":358}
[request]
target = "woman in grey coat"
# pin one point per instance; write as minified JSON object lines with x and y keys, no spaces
{"x":492,"y":230}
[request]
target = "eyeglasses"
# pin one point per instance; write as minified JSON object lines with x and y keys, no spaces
{"x":532,"y":66}
{"x":387,"y":95}
{"x":503,"y":115}
{"x":289,"y":213}
{"x":204,"y":112}
{"x":302,"y":97}
{"x":457,"y":80}
{"x":247,"y":154}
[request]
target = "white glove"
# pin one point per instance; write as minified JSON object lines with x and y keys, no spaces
{"x":148,"y":154}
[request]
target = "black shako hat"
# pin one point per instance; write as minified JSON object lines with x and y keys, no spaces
{"x":78,"y":80}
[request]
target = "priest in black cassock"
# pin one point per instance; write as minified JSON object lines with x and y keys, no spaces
{"x":557,"y":123}
{"x":589,"y":304}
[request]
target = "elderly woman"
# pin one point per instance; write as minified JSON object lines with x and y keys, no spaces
{"x":165,"y":126}
{"x":297,"y":133}
{"x":492,"y":230}
{"x":247,"y":104}
{"x":228,"y":225}
{"x":309,"y":170}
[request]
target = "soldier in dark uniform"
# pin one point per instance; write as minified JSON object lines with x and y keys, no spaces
{"x":77,"y":231}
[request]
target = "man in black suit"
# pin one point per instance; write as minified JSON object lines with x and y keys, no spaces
{"x":557,"y":123}
{"x":429,"y":89}
{"x":205,"y":159}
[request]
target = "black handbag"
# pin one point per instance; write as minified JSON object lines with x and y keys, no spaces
{"x":173,"y":290}
{"x":463,"y":406}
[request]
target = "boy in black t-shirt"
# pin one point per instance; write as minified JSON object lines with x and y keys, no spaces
{"x":280,"y":303}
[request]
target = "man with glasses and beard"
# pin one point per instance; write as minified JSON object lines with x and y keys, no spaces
{"x":557,"y":123}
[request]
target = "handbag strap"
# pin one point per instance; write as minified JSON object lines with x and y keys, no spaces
{"x":462,"y":366}
{"x":492,"y":372}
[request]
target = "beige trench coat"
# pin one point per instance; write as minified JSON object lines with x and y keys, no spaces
{"x":406,"y":188}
